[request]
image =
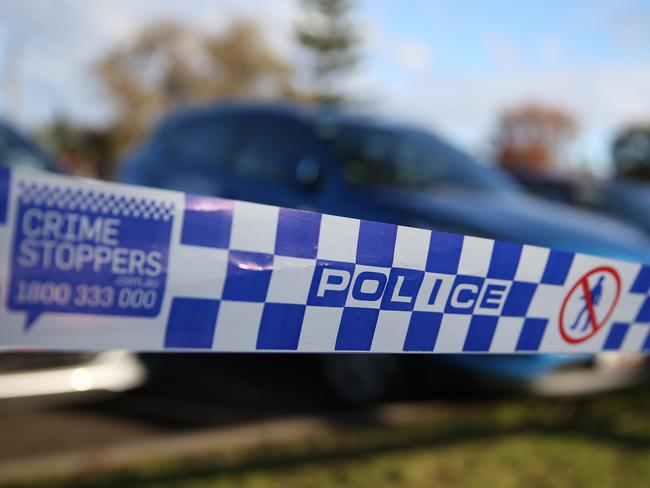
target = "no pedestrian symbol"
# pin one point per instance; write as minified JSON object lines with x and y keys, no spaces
{"x":589,"y":304}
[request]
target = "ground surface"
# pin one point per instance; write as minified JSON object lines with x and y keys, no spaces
{"x":466,"y":441}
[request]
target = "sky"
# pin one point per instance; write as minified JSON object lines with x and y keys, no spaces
{"x":451,"y":66}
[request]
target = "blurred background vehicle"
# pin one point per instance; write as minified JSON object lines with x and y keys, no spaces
{"x":42,"y":377}
{"x":37,"y":378}
{"x":362,"y":167}
{"x":621,"y":198}
{"x":555,"y":89}
{"x":16,"y":151}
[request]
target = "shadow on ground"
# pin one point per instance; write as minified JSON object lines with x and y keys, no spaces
{"x":617,"y":422}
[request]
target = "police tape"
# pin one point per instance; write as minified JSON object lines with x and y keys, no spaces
{"x":88,"y":265}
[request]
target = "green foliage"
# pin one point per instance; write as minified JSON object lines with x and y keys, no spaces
{"x":631,"y":152}
{"x":168,"y":65}
{"x":601,"y":441}
{"x":331,"y":41}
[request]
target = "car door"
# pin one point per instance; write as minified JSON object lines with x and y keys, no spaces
{"x":277,"y":161}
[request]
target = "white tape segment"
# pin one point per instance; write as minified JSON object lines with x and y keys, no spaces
{"x":91,"y":265}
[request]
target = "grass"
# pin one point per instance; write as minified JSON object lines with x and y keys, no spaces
{"x":602,"y":441}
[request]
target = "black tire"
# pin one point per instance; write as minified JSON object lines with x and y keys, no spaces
{"x":358,"y":379}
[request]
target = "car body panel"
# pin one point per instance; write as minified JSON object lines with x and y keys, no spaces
{"x":623,"y":199}
{"x":501,"y":212}
{"x":106,"y":372}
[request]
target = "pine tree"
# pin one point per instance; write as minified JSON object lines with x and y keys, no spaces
{"x":330,"y":40}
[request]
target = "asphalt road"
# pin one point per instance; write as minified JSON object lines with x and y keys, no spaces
{"x":185,"y":393}
{"x":193,"y":392}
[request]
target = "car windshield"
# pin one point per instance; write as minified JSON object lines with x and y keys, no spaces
{"x":407,"y":159}
{"x":16,"y":153}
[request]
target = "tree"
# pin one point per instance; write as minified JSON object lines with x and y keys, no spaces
{"x":631,"y":152}
{"x":81,"y":151}
{"x":242,"y":65}
{"x":169,"y":64}
{"x":532,"y":137}
{"x":330,"y":41}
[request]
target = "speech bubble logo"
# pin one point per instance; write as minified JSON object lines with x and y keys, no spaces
{"x":88,"y":251}
{"x":32,"y":315}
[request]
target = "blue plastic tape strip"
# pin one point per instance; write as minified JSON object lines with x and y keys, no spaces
{"x":92,"y":265}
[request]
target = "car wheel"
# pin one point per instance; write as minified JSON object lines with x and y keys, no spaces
{"x":360,"y":378}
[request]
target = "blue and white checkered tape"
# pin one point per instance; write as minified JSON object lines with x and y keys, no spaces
{"x":92,"y":265}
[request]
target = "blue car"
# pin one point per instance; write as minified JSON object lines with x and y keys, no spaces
{"x":16,"y":151}
{"x":627,"y":200}
{"x":624,"y":199}
{"x":364,"y":168}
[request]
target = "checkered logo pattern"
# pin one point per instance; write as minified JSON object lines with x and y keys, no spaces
{"x":280,"y":279}
{"x":94,"y":201}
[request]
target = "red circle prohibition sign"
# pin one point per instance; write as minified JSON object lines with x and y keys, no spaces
{"x":593,"y":322}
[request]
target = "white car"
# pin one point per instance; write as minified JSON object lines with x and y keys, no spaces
{"x":48,"y":376}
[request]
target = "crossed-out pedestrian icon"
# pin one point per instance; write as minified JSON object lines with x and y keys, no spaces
{"x":589,"y":304}
{"x":596,"y":293}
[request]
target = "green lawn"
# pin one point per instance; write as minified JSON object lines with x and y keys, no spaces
{"x":603,"y":441}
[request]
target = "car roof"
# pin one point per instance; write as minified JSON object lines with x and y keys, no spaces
{"x":303,"y":113}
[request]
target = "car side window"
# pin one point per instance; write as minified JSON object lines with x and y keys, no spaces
{"x":203,"y":142}
{"x":270,"y":149}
